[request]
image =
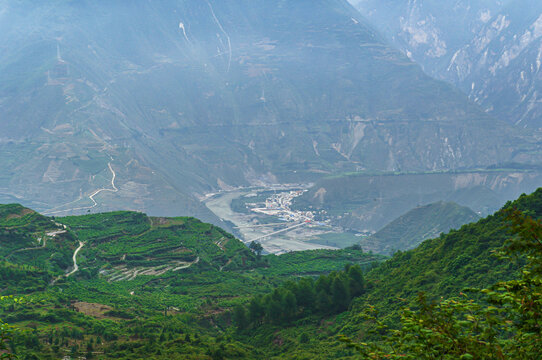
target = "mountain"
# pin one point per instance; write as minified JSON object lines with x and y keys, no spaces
{"x":430,"y":32}
{"x":446,"y":265}
{"x":124,"y":247}
{"x":148,"y":106}
{"x":500,"y":67}
{"x":490,"y":49}
{"x":419,"y":224}
{"x":365,"y":202}
{"x":31,"y":238}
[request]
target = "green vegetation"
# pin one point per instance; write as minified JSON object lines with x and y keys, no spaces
{"x":15,"y":216}
{"x":135,"y":241}
{"x":22,"y":279}
{"x":140,"y":293}
{"x":317,"y":262}
{"x":442,"y":268}
{"x":340,"y":240}
{"x":417,"y":225}
{"x":30,"y":239}
{"x":505,"y":324}
{"x":329,"y":294}
{"x":6,"y":331}
{"x":108,"y":226}
{"x":446,"y":265}
{"x":139,"y":276}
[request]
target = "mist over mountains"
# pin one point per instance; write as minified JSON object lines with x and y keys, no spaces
{"x":150,"y":105}
{"x":309,"y":169}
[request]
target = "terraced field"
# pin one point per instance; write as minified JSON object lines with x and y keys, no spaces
{"x":125,"y":245}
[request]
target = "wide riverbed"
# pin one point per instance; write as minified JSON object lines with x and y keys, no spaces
{"x":294,"y":238}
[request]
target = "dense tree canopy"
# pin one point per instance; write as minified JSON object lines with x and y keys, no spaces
{"x":505,"y":323}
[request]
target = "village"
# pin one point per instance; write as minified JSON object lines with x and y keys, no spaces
{"x":279,"y":205}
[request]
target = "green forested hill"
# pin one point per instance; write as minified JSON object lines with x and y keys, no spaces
{"x":417,"y":225}
{"x":445,"y":265}
{"x":176,"y":288}
{"x":30,"y":239}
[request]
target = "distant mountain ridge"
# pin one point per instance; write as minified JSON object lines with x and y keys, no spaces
{"x":148,"y":106}
{"x":419,"y":224}
{"x":366,"y":203}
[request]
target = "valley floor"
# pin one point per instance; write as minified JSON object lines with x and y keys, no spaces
{"x":277,"y":235}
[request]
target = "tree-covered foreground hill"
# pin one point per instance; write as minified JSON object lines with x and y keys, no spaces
{"x":176,"y":288}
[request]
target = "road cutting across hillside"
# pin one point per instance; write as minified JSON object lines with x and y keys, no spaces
{"x":113,"y":189}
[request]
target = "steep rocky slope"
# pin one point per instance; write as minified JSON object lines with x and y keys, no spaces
{"x":490,"y":49}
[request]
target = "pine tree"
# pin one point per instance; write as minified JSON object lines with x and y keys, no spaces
{"x":356,"y":282}
{"x":240,"y":317}
{"x":305,"y":293}
{"x":323,"y":302}
{"x":289,"y":305}
{"x":340,"y":296}
{"x":256,"y":310}
{"x":274,"y":311}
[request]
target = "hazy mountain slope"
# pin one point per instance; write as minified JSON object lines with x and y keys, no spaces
{"x":146,"y":105}
{"x":490,"y":49}
{"x":500,"y":67}
{"x":417,"y":225}
{"x":430,"y":32}
{"x":365,"y":202}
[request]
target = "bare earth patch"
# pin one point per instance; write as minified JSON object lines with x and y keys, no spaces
{"x":23,"y":212}
{"x":164,"y":222}
{"x":92,"y":309}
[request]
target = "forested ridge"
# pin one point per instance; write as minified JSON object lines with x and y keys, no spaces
{"x":140,"y":293}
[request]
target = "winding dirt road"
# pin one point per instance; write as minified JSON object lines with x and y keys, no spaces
{"x":51,"y":234}
{"x":114,"y":188}
{"x":75,"y":266}
{"x":91,"y":196}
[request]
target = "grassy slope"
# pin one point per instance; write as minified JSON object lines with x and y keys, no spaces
{"x":445,"y":265}
{"x":23,"y":234}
